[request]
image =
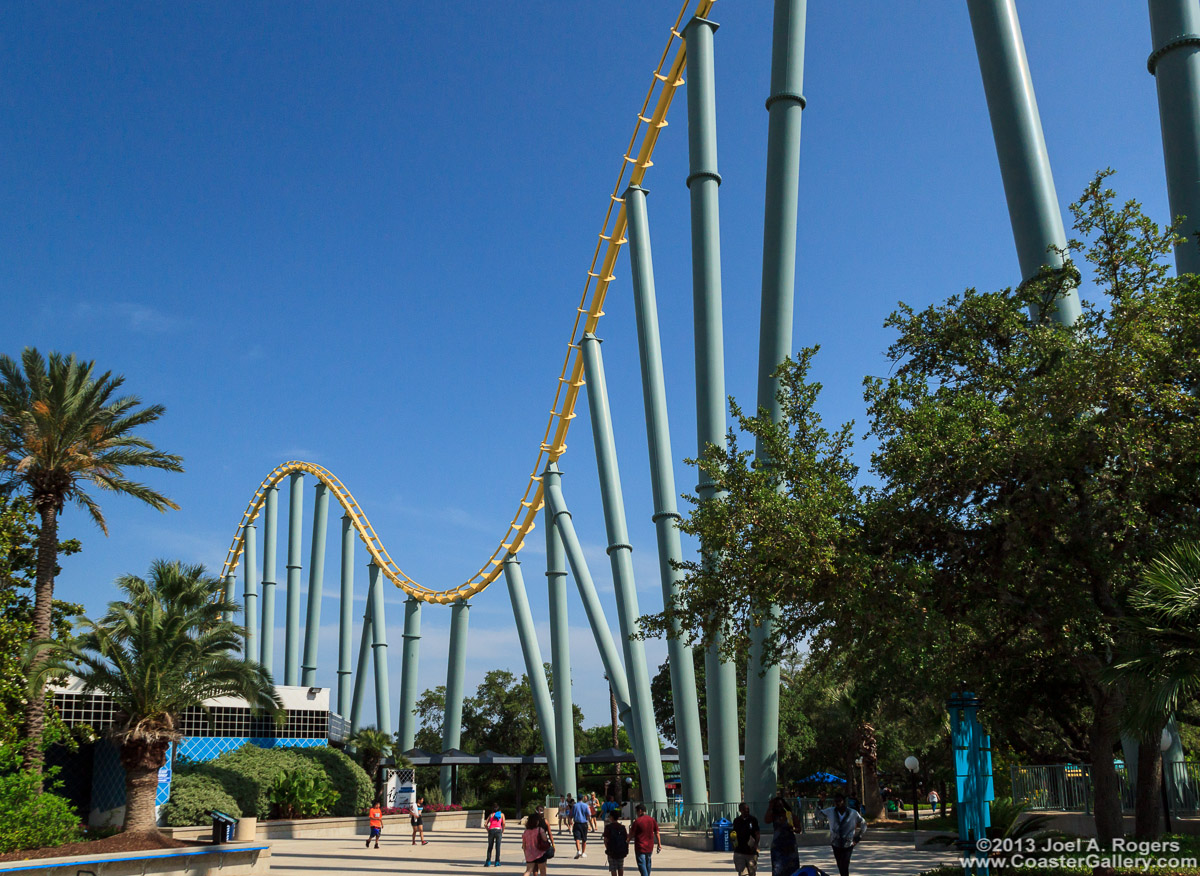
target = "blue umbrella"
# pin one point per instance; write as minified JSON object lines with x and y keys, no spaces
{"x":821,"y":779}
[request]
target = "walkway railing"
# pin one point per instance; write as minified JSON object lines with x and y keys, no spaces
{"x":1068,"y":787}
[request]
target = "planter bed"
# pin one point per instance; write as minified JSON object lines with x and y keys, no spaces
{"x":230,"y":859}
{"x":393,"y":825}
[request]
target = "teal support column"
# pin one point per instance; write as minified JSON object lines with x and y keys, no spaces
{"x":383,"y":707}
{"x":231,"y":587}
{"x":456,"y":669}
{"x":534,"y":669}
{"x":316,"y":582}
{"x":1175,"y":65}
{"x":291,"y":640}
{"x":560,"y":657}
{"x":250,"y":590}
{"x":785,"y":105}
{"x":270,"y":579}
{"x":407,"y":734}
{"x":360,"y":670}
{"x":1020,"y":144}
{"x":703,"y":182}
{"x":620,"y":555}
{"x":345,"y":616}
{"x":662,"y":484}
{"x":610,"y":658}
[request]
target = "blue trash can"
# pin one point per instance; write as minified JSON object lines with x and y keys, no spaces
{"x":721,"y":830}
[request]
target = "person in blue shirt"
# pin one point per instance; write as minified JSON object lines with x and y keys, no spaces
{"x":581,"y":814}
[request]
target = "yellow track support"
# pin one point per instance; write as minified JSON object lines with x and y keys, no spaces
{"x":570,"y":379}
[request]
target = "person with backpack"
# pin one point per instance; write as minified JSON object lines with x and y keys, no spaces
{"x":616,"y":843}
{"x":495,"y":829}
{"x":535,"y":842}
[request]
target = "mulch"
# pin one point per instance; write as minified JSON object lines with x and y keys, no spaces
{"x":144,"y":841}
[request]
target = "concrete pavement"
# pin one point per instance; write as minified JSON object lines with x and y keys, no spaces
{"x":462,"y":850}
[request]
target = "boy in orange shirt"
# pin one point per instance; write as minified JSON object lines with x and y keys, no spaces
{"x":375,"y":815}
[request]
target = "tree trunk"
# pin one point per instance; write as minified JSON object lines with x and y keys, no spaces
{"x":869,"y":751}
{"x":1148,"y":797}
{"x":142,"y":761}
{"x":1103,"y":737}
{"x":43,"y":606}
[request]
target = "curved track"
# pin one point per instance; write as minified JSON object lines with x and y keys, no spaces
{"x":635,"y":161}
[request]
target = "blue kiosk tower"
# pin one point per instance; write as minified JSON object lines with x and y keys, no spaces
{"x":973,"y":774}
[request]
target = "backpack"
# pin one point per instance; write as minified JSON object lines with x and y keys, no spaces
{"x":616,"y":841}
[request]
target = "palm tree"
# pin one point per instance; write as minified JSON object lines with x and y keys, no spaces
{"x":1158,"y":667}
{"x":167,"y":646}
{"x":63,"y":428}
{"x":371,"y":744}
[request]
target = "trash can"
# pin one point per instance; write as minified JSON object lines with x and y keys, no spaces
{"x":222,"y":827}
{"x":722,"y":829}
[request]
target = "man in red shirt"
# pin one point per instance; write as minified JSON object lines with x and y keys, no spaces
{"x":644,"y":833}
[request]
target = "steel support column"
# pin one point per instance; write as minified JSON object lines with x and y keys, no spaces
{"x":345,"y":617}
{"x":662,"y":484}
{"x":560,"y":657}
{"x":1020,"y":144}
{"x":360,"y":669}
{"x":230,"y":588}
{"x":456,"y":669}
{"x":250,"y":590}
{"x":534,"y":670}
{"x":610,"y":658}
{"x":408,"y":674}
{"x":266,"y":641}
{"x":620,"y":555}
{"x":383,"y":706}
{"x":703,"y":182}
{"x":291,"y":639}
{"x":785,"y":106}
{"x":316,"y":582}
{"x":1175,"y":64}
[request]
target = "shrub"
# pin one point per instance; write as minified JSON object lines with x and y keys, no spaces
{"x":31,"y":818}
{"x":194,"y":796}
{"x":251,"y":774}
{"x":433,"y":796}
{"x":355,"y":791}
{"x":303,"y":793}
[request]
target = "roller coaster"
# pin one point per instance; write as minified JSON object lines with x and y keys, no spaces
{"x":687,"y":57}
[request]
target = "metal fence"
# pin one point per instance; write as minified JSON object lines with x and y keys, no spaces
{"x":1068,"y":787}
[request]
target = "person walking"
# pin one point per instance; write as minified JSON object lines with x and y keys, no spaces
{"x":580,"y":815}
{"x":375,"y":817}
{"x":846,"y":828}
{"x":564,"y":813}
{"x":536,"y":843}
{"x":644,"y":834}
{"x":785,"y":857}
{"x":594,"y":808}
{"x":609,"y":805}
{"x":616,"y":843}
{"x":495,"y":829}
{"x":745,"y":850}
{"x":418,"y":824}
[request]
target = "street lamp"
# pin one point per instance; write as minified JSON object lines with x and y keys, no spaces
{"x":912,"y":765}
{"x":1164,"y":746}
{"x":862,"y":776}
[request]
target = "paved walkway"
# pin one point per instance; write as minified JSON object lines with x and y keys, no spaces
{"x":459,"y":851}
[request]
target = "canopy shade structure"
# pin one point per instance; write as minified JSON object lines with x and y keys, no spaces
{"x":821,"y":779}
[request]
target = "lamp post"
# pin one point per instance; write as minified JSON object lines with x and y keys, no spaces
{"x":912,"y":765}
{"x":1164,"y":745}
{"x":862,"y":778}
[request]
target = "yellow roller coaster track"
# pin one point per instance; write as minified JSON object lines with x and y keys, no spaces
{"x":570,"y":378}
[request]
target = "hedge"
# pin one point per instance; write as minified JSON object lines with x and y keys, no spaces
{"x":249,"y":774}
{"x":193,"y":797}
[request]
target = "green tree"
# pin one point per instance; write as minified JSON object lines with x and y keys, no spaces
{"x":63,"y":428}
{"x":167,"y":646}
{"x":371,"y":745}
{"x":1031,"y":471}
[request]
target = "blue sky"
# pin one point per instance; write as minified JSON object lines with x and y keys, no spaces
{"x":356,"y":234}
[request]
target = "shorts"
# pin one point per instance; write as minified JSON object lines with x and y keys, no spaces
{"x":749,"y":863}
{"x":416,"y":822}
{"x":375,"y":832}
{"x":614,"y":863}
{"x":580,"y":831}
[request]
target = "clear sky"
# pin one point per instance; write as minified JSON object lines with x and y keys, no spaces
{"x":356,"y":233}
